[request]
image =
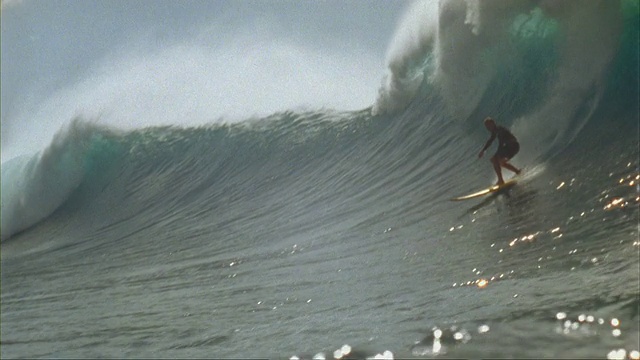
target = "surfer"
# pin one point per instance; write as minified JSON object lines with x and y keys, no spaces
{"x":508,"y":147}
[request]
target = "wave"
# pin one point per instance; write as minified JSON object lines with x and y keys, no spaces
{"x":546,"y":71}
{"x":543,"y":63}
{"x":34,"y":186}
{"x":80,"y":163}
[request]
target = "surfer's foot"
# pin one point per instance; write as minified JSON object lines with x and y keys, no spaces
{"x":518,"y":171}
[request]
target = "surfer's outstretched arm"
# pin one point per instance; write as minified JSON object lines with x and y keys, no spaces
{"x":486,"y":146}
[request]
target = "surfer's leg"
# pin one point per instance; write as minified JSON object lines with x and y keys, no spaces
{"x":505,"y":164}
{"x":496,"y":166}
{"x":505,"y":153}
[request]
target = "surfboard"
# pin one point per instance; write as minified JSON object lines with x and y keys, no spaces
{"x":495,"y":188}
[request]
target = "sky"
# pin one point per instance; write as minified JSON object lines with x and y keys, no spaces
{"x":141,"y":63}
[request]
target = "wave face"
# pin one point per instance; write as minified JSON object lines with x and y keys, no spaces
{"x":291,"y":218}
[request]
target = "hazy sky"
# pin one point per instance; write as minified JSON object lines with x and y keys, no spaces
{"x":136,"y":63}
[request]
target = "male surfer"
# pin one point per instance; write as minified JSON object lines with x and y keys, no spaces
{"x":508,"y":147}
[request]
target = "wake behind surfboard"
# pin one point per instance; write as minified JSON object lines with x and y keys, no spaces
{"x":493,"y":189}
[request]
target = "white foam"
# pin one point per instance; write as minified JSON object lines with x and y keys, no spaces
{"x":468,"y":42}
{"x":412,"y":42}
{"x":531,"y":172}
{"x":591,"y":32}
{"x":456,"y":33}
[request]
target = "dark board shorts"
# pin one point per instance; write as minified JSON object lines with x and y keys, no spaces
{"x":508,"y":150}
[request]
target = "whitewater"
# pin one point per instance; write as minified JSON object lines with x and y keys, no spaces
{"x":321,"y":233}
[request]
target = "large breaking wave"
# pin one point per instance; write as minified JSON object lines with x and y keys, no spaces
{"x":545,"y":69}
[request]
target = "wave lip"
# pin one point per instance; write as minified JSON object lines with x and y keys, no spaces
{"x":460,"y":48}
{"x":33,"y":187}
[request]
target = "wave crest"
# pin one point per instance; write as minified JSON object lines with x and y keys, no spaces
{"x":34,"y":186}
{"x":464,"y":48}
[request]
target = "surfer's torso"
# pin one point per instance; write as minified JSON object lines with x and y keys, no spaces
{"x":504,"y":136}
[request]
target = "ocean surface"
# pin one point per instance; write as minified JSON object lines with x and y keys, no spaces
{"x":330,"y":234}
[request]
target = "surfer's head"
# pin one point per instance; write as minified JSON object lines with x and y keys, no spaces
{"x":490,"y":124}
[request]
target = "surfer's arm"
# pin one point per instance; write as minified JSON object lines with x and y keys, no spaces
{"x":486,"y":146}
